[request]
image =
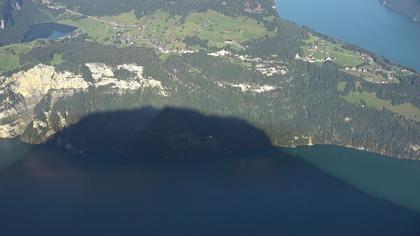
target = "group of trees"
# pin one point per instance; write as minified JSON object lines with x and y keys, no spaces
{"x":179,"y":7}
{"x":286,"y":43}
{"x":305,"y":104}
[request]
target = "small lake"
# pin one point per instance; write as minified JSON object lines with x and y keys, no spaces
{"x":50,"y":31}
{"x":362,"y":22}
{"x":320,"y":190}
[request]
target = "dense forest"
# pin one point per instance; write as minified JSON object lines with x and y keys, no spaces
{"x":213,"y":68}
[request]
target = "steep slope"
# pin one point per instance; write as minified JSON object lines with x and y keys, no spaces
{"x":16,"y":17}
{"x":221,"y":58}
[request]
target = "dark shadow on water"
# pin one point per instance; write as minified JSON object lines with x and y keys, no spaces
{"x":209,"y":176}
{"x":151,"y":133}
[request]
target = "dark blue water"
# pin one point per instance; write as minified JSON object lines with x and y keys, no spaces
{"x":322,"y":190}
{"x":50,"y":31}
{"x":362,"y":22}
{"x":328,"y":191}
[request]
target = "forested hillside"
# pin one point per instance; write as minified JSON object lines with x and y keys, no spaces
{"x":220,"y":58}
{"x":16,"y":17}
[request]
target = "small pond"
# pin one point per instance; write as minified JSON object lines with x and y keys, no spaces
{"x":49,"y":31}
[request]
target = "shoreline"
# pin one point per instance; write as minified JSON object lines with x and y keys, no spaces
{"x":400,"y":12}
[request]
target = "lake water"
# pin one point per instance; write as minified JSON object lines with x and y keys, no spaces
{"x":362,"y":22}
{"x":50,"y":31}
{"x":322,"y":190}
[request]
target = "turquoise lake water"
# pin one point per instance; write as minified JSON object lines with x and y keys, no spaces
{"x":320,"y":190}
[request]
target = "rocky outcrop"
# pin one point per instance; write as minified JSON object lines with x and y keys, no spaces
{"x":103,"y":75}
{"x":22,"y":92}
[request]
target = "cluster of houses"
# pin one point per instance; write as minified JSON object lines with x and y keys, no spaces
{"x":267,"y":68}
{"x":252,"y":7}
{"x":362,"y":69}
{"x":368,"y":68}
{"x":312,"y":59}
{"x":166,"y":50}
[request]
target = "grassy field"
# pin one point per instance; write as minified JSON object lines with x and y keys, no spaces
{"x":9,"y":59}
{"x":341,"y":86}
{"x":269,"y":18}
{"x":163,"y":29}
{"x":368,"y":76}
{"x":218,"y":28}
{"x":211,"y":25}
{"x":321,"y":49}
{"x":128,"y":18}
{"x":98,"y":31}
{"x":368,"y":99}
{"x":9,"y":55}
{"x":57,"y":59}
{"x":346,"y":58}
{"x":406,"y":110}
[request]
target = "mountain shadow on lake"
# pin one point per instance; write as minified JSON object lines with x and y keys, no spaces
{"x":160,"y":133}
{"x":267,"y":192}
{"x":49,"y":31}
{"x":50,"y":192}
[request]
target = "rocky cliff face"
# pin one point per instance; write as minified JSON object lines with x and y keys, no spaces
{"x":38,"y":103}
{"x":23,"y":93}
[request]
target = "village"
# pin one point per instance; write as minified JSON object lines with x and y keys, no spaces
{"x":265,"y":67}
{"x":360,"y":64}
{"x":126,"y":30}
